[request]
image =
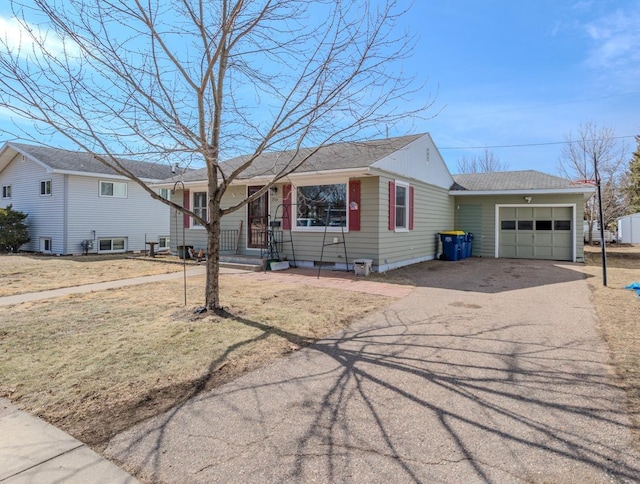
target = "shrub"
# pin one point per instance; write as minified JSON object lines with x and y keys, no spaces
{"x":13,"y":229}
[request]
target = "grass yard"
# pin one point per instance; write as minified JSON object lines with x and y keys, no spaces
{"x":21,"y":273}
{"x":95,"y":364}
{"x":618,"y":312}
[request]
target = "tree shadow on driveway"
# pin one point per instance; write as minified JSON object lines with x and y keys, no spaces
{"x":486,"y":275}
{"x":406,"y":395}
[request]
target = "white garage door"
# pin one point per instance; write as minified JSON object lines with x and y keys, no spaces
{"x":536,"y":233}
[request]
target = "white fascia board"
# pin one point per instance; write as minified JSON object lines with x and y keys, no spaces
{"x":317,"y":175}
{"x":179,"y":183}
{"x":550,"y":191}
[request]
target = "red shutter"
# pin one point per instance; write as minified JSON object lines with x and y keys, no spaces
{"x":411,"y":208}
{"x":392,"y":205}
{"x":286,"y":206}
{"x":354,"y":204}
{"x":185,"y":203}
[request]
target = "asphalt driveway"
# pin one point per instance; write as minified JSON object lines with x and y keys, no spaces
{"x":489,"y":371}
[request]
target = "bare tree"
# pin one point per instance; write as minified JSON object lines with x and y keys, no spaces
{"x":487,"y":162}
{"x":200,"y":81}
{"x":596,"y":146}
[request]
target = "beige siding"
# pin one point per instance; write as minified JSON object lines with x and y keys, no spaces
{"x":486,"y":239}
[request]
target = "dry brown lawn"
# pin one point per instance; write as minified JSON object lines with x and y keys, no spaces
{"x":618,"y":312}
{"x":95,"y":364}
{"x":22,"y":273}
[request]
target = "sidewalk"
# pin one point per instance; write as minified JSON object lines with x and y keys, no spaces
{"x":31,"y":450}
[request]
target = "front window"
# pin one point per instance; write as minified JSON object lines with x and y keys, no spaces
{"x":6,"y":191}
{"x":200,"y":206}
{"x":113,"y":189}
{"x":164,"y":193}
{"x":402,"y":206}
{"x":322,"y":205}
{"x":163,"y":243}
{"x":45,"y":187}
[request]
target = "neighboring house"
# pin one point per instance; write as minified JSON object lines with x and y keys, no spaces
{"x":75,"y":203}
{"x":629,"y":229}
{"x":384,"y":200}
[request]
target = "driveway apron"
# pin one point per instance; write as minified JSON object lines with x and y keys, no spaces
{"x":489,"y":371}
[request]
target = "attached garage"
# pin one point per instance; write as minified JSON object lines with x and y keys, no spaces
{"x":536,"y":232}
{"x":522,"y":214}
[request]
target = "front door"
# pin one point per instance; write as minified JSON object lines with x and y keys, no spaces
{"x":257,"y":218}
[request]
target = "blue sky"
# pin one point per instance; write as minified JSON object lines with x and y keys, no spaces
{"x":520,"y":73}
{"x":528,"y":72}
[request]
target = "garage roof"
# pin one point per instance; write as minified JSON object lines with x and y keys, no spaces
{"x":516,"y":182}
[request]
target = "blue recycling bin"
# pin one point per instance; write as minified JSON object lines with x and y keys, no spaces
{"x":469,"y":243}
{"x":452,"y":244}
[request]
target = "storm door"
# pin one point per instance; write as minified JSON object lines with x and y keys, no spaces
{"x":257,"y":218}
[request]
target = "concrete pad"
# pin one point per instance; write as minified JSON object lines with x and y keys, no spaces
{"x":26,"y":441}
{"x":31,"y":450}
{"x":78,"y":466}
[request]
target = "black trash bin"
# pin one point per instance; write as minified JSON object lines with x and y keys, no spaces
{"x":182,"y":254}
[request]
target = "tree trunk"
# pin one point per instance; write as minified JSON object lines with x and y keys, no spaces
{"x":212,"y":286}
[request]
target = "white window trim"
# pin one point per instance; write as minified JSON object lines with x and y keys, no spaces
{"x":294,"y":207}
{"x":5,"y":189}
{"x":50,"y":188}
{"x":43,"y":241}
{"x":405,"y":185}
{"x":167,"y":239}
{"x":113,"y":251}
{"x":192,"y":222}
{"x":126,"y":189}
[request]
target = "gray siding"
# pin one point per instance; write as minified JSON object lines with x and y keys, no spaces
{"x":46,"y":213}
{"x":138,"y":217}
{"x":484,"y":242}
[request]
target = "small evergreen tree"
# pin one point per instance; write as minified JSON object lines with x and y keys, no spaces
{"x":13,"y":229}
{"x":632,"y":190}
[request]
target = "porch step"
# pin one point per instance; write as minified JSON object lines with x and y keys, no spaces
{"x":254,"y":264}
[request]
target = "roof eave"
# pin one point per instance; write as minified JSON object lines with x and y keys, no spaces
{"x":351,"y":172}
{"x":530,"y":191}
{"x":100,"y":175}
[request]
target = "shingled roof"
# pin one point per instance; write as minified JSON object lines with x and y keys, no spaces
{"x":64,"y":160}
{"x":335,"y":156}
{"x":513,"y":180}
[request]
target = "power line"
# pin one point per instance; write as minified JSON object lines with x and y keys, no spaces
{"x":539,"y":106}
{"x":528,"y":144}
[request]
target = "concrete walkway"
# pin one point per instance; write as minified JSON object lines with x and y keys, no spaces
{"x":489,"y":371}
{"x":32,"y":451}
{"x":98,"y":286}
